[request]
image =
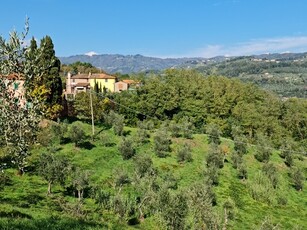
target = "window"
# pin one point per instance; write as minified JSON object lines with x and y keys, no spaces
{"x":105,"y":80}
{"x":73,"y":80}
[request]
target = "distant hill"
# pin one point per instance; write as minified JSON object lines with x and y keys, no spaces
{"x":126,"y":64}
{"x":282,"y":73}
{"x":113,"y":63}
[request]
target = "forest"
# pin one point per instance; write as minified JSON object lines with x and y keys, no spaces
{"x":185,"y":150}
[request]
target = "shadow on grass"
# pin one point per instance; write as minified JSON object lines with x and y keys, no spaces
{"x":86,"y":145}
{"x":126,"y":132}
{"x":109,"y":144}
{"x":14,"y":214}
{"x":48,"y":223}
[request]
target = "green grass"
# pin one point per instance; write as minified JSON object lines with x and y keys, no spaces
{"x":24,"y":204}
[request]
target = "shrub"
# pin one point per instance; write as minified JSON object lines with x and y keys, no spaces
{"x":214,"y":133}
{"x":240,"y":145}
{"x":143,"y":164}
{"x":289,"y":160}
{"x":45,"y":137}
{"x":77,"y":134}
{"x":121,"y":177}
{"x":162,"y":143}
{"x":118,"y":125}
{"x":212,"y":175}
{"x":271,"y":172}
{"x":236,"y":159}
{"x":242,"y":171}
{"x":263,"y":153}
{"x":261,"y":188}
{"x":126,"y":148}
{"x":116,"y":121}
{"x":187,"y":128}
{"x":59,"y":130}
{"x":282,"y":200}
{"x":298,"y":178}
{"x":215,"y":156}
{"x":184,"y":153}
{"x":142,"y":135}
{"x":175,"y":129}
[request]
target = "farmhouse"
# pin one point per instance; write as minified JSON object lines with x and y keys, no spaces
{"x":83,"y":82}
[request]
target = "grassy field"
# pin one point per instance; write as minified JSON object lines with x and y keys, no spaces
{"x":24,"y":204}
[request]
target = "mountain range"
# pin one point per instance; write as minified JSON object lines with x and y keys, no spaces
{"x":126,"y":64}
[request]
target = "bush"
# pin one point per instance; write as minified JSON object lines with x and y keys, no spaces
{"x":263,"y":153}
{"x":184,"y":153}
{"x":45,"y":137}
{"x":289,"y":160}
{"x":4,"y":180}
{"x":298,"y":178}
{"x":121,"y":178}
{"x":242,"y":171}
{"x":213,"y":133}
{"x":187,"y":128}
{"x":142,"y":135}
{"x":59,"y":130}
{"x":236,"y":159}
{"x":116,"y":121}
{"x":77,"y":134}
{"x":240,"y":145}
{"x":282,"y":200}
{"x":261,"y":188}
{"x":162,"y":143}
{"x":215,"y":156}
{"x":143,"y":164}
{"x":212,"y":175}
{"x":175,"y":129}
{"x":126,"y":148}
{"x":271,"y":172}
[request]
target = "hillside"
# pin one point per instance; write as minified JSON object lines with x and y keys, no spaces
{"x":24,"y":204}
{"x":183,"y":151}
{"x":126,"y":64}
{"x":284,"y":74}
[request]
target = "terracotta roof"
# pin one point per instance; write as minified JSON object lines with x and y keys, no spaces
{"x":121,"y":82}
{"x":93,"y":76}
{"x":129,"y":81}
{"x":101,"y":76}
{"x":12,"y":76}
{"x":80,"y":76}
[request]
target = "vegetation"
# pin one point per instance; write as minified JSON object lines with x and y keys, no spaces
{"x":207,"y":153}
{"x":285,"y":76}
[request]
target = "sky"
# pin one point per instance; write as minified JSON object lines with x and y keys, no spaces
{"x":162,"y":28}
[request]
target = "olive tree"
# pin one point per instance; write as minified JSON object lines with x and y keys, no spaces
{"x":19,"y":112}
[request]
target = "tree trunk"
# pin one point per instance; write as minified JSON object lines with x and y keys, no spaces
{"x":49,"y":188}
{"x":225,"y":219}
{"x":20,"y":172}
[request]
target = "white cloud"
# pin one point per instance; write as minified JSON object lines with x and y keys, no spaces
{"x":256,"y":46}
{"x":91,"y":53}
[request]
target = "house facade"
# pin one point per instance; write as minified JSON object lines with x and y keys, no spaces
{"x":104,"y":81}
{"x":84,"y":82}
{"x":126,"y":85}
{"x":15,"y":83}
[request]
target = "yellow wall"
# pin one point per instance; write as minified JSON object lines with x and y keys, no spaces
{"x":109,"y":85}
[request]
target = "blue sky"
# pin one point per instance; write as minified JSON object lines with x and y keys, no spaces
{"x":162,"y":28}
